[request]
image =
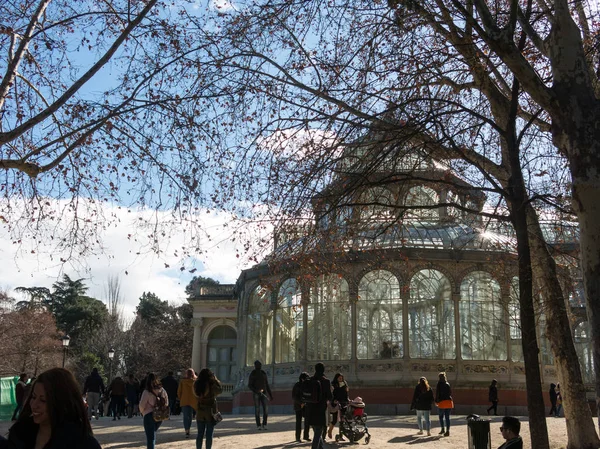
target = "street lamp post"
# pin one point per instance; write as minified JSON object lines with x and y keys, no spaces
{"x":111,"y":354}
{"x":65,"y":343}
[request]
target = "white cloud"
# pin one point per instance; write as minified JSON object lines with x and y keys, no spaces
{"x":125,"y":252}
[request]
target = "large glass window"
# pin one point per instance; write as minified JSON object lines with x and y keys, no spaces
{"x":288,"y":323}
{"x":329,"y":322}
{"x":431,"y":316}
{"x":514,"y":322}
{"x":422,"y":196}
{"x":583,"y":346}
{"x":482,"y":320}
{"x":259,"y":330}
{"x":222,"y":347}
{"x":376,"y":205}
{"x":379,"y":310}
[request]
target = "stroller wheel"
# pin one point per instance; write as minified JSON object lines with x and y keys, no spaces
{"x":367,"y":439}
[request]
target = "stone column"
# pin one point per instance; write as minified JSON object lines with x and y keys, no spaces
{"x":197,"y":359}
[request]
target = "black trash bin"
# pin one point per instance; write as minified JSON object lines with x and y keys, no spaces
{"x":479,"y":433}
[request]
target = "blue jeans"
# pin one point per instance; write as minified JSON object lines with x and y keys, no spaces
{"x":187,"y":412}
{"x":260,"y":399}
{"x":423,"y":415}
{"x":209,"y":428}
{"x":317,"y":441}
{"x":445,"y":412}
{"x":150,"y":427}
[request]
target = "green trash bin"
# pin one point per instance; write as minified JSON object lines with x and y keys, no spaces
{"x":479,"y":433}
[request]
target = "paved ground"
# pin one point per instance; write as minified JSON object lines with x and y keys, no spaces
{"x":238,"y":432}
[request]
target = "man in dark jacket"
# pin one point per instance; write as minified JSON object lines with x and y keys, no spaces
{"x":493,"y":397}
{"x":510,"y":429}
{"x":92,"y":389}
{"x":316,"y":413}
{"x":20,"y":394}
{"x":170,"y":384}
{"x":299,"y":407}
{"x":259,"y":385}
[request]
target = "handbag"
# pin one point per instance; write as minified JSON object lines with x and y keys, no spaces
{"x":216,"y":416}
{"x":161,"y":410}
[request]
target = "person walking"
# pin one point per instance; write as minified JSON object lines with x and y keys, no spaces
{"x":258,"y":383}
{"x":132,"y":393}
{"x":53,"y":415}
{"x":493,"y":397}
{"x":170,"y":385}
{"x":187,"y":399}
{"x":117,"y":391}
{"x":20,"y":394}
{"x":206,"y":388}
{"x":316,"y":412}
{"x":553,"y":397}
{"x":340,"y":394}
{"x":443,"y":399}
{"x":93,"y":388}
{"x":153,"y":393}
{"x":559,"y":405}
{"x":422,"y":400}
{"x":299,"y":407}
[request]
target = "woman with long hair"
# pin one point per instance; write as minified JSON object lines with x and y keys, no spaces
{"x":340,"y":393}
{"x":53,"y":416}
{"x":206,"y":388}
{"x":422,"y":400}
{"x":187,"y":399}
{"x":443,"y":399}
{"x":153,"y":392}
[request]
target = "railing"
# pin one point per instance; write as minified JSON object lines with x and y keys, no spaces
{"x":227,"y":389}
{"x":216,"y":290}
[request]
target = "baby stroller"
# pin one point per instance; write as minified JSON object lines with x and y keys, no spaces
{"x":353,"y":422}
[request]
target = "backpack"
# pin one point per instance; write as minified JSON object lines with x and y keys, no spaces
{"x":311,"y":391}
{"x":161,"y":409}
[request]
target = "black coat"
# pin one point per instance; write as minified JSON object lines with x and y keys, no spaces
{"x":443,"y":391}
{"x":493,"y":394}
{"x":22,"y":435}
{"x":422,"y":400}
{"x":170,"y":384}
{"x":316,"y":414}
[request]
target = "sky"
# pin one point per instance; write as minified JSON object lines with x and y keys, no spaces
{"x":222,"y":259}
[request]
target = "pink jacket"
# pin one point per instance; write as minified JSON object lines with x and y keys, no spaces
{"x":148,"y":400}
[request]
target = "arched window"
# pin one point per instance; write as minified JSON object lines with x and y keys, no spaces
{"x":259,"y":330}
{"x":288,"y":322}
{"x":376,"y":205}
{"x":482,"y":320}
{"x":379,"y":310}
{"x":583,"y":346}
{"x":431,"y":317}
{"x":422,"y":196}
{"x":329,"y":335}
{"x":514,"y":322}
{"x":222,"y":347}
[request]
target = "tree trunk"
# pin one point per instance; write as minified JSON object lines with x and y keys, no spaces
{"x":580,"y":425}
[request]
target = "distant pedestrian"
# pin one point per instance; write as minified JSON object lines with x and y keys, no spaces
{"x":316,"y":412}
{"x":153,"y":393}
{"x":510,"y":429}
{"x":493,"y":397}
{"x":552,"y":394}
{"x":299,"y":407}
{"x":187,"y":399}
{"x":443,"y":399}
{"x":132,"y":391}
{"x":92,"y":390}
{"x":422,"y":401}
{"x":206,"y":387}
{"x":259,"y":385}
{"x":170,"y":385}
{"x":559,"y":405}
{"x":20,"y":394}
{"x":117,"y":391}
